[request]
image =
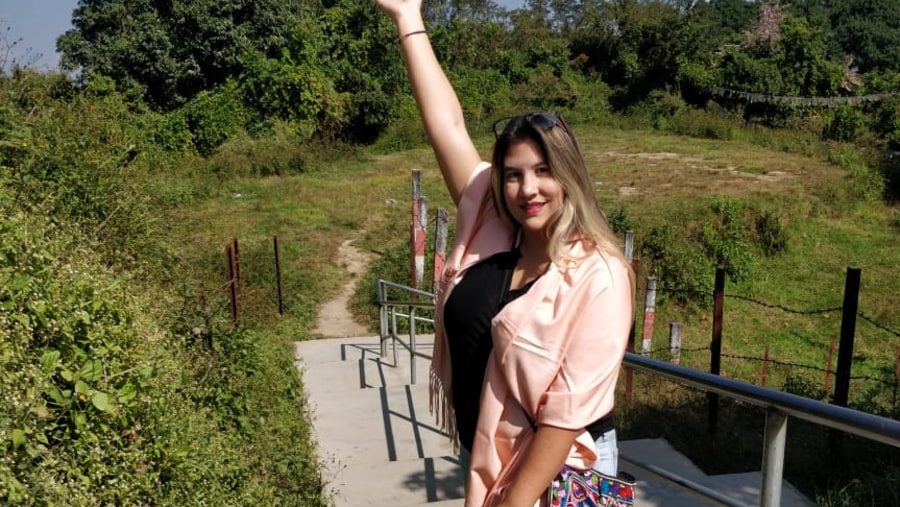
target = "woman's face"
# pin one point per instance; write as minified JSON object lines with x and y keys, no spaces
{"x":530,"y":190}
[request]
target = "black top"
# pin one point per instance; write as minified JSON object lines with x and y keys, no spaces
{"x":467,"y":320}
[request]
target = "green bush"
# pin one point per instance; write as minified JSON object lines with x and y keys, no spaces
{"x":862,"y":183}
{"x":213,"y":117}
{"x":701,"y":124}
{"x":546,"y":91}
{"x":684,"y":273}
{"x":771,"y":235}
{"x":724,"y":239}
{"x":279,"y":151}
{"x":844,"y":123}
{"x":482,"y":93}
{"x":74,"y":389}
{"x":619,"y":219}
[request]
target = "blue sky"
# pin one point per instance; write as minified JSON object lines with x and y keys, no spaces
{"x":38,"y":23}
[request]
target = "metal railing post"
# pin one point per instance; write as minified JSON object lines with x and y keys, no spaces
{"x":773,"y":458}
{"x":394,"y":332}
{"x":412,"y":345}
{"x":382,"y":317}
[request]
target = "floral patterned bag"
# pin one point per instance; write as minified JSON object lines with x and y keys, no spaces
{"x":590,"y":488}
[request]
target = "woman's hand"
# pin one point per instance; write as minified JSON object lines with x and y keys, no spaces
{"x":400,"y":9}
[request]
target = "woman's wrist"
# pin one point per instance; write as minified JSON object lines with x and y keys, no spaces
{"x":409,"y":24}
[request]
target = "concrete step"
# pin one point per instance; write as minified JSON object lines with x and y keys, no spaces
{"x":365,"y":353}
{"x":743,"y":487}
{"x":376,"y":424}
{"x":427,"y":481}
{"x":379,"y":446}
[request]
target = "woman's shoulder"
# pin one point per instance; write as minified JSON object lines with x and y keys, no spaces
{"x":598,"y":269}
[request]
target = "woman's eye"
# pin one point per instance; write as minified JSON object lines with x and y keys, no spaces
{"x":510,"y":176}
{"x":542,"y":170}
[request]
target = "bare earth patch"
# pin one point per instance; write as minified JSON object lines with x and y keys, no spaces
{"x":666,"y":173}
{"x":334,"y":319}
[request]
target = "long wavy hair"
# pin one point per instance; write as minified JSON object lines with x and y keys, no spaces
{"x":579,"y":217}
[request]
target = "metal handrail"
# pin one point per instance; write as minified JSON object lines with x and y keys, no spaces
{"x":779,"y":405}
{"x":873,"y":427}
{"x":388,"y":314}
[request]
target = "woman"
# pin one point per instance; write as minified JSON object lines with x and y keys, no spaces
{"x":535,"y":302}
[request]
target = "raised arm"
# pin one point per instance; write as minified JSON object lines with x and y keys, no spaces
{"x":441,"y":112}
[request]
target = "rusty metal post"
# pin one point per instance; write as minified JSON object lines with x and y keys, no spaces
{"x":715,"y":359}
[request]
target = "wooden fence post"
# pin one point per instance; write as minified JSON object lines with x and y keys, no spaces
{"x":765,"y":366}
{"x":715,"y":360}
{"x":278,"y":277}
{"x":848,"y":330}
{"x":649,"y":313}
{"x":675,"y":342}
{"x":845,"y":349}
{"x":440,"y":246}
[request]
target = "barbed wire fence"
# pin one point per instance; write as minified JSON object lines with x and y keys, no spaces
{"x":874,"y":394}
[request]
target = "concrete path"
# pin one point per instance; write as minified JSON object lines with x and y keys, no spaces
{"x":379,"y":445}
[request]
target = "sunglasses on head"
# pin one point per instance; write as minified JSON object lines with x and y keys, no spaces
{"x":543,"y":121}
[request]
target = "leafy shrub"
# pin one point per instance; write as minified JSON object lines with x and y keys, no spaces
{"x":592,"y":103}
{"x":844,"y":123}
{"x":724,"y":239}
{"x":482,"y":93}
{"x":619,"y":219}
{"x":172,"y":132}
{"x":72,"y":391}
{"x":214,"y":117}
{"x":803,"y":387}
{"x":81,"y":160}
{"x":684,"y":273}
{"x":403,"y":134}
{"x":546,"y":91}
{"x":279,"y":151}
{"x":299,"y":93}
{"x":702,"y":124}
{"x":771,"y":235}
{"x":863,"y":182}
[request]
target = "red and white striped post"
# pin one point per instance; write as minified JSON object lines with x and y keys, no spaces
{"x":417,"y":231}
{"x":440,"y":246}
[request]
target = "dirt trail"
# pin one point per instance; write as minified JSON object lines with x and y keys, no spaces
{"x":334,"y":319}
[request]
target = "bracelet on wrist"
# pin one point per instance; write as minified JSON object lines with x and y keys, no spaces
{"x":414,"y":32}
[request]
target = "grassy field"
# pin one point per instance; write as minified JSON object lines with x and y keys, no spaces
{"x":650,"y":180}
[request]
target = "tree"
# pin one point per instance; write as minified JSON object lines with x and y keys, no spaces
{"x":870,"y":31}
{"x":173,"y":49}
{"x":633,"y":44}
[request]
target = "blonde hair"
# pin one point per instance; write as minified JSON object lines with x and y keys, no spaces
{"x":579,"y":217}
